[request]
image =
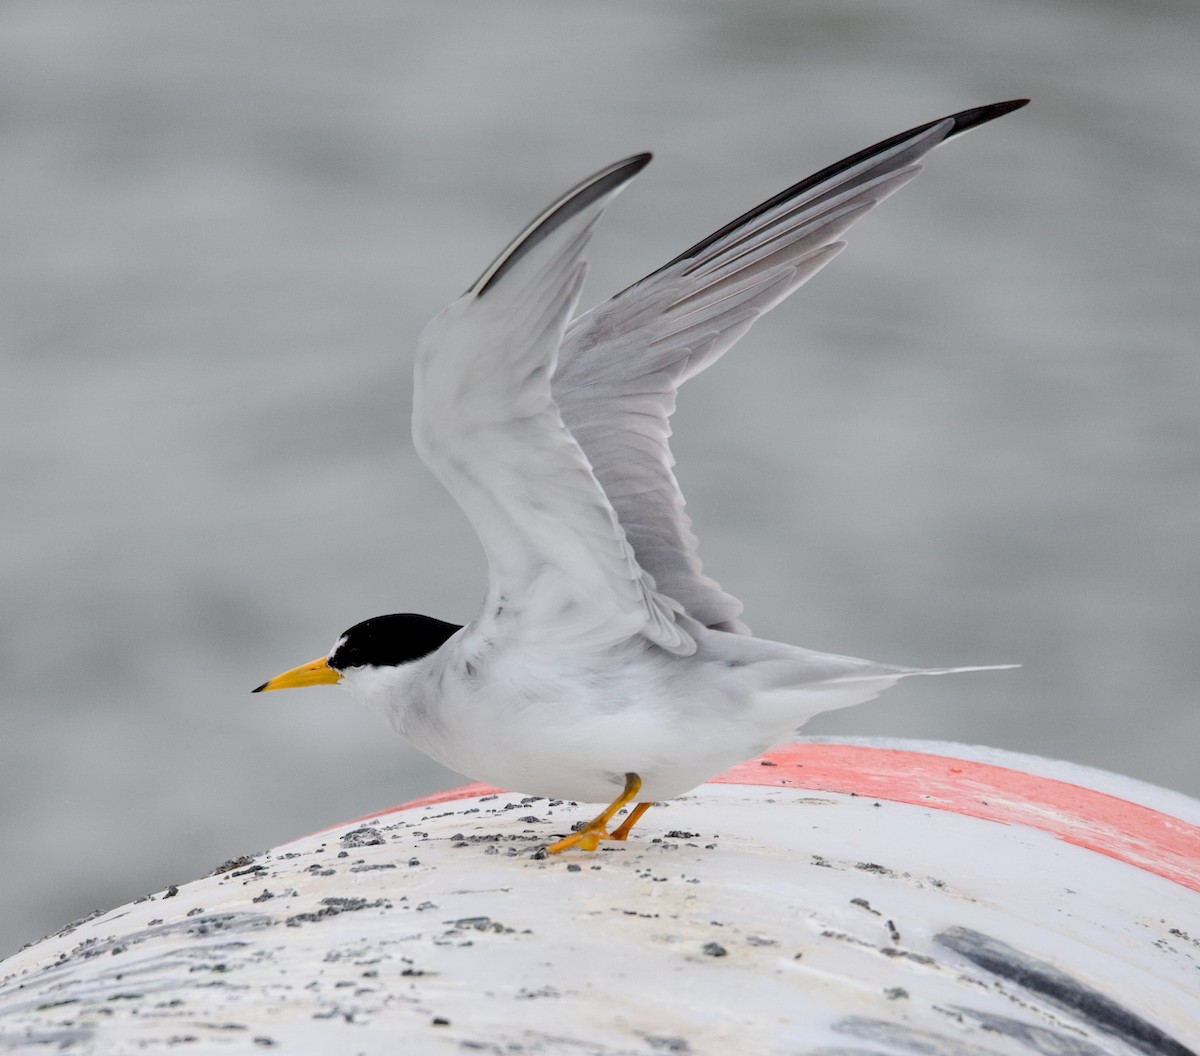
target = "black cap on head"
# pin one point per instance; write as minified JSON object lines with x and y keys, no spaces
{"x":389,"y":641}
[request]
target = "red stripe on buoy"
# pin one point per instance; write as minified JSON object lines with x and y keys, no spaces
{"x":476,"y":788}
{"x":1108,"y":825}
{"x":449,"y":795}
{"x":1129,"y":832}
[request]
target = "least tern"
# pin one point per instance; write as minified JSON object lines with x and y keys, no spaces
{"x":603,"y":665}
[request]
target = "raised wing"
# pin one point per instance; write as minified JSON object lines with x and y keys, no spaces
{"x":622,"y":362}
{"x":485,"y":423}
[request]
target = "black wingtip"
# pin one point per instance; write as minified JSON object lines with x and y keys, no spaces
{"x":962,"y":121}
{"x":559,"y":212}
{"x":980,"y":115}
{"x":260,"y":688}
{"x":637,"y":162}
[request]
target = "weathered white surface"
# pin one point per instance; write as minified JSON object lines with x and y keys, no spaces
{"x":737,"y":920}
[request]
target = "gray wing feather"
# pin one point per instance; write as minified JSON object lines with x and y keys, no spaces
{"x":621,"y":364}
{"x":486,"y":425}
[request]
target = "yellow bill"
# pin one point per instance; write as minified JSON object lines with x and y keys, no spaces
{"x":316,"y":673}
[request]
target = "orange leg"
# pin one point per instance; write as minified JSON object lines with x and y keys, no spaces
{"x":588,"y":838}
{"x":630,"y":821}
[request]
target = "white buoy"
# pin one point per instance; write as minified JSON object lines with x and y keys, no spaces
{"x":831,"y":899}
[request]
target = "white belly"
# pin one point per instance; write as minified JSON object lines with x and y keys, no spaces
{"x":577,"y":734}
{"x":572,"y":729}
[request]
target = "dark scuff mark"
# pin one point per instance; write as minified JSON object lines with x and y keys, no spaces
{"x":1062,"y":990}
{"x":56,"y":1040}
{"x":1040,"y":1040}
{"x":899,"y":1038}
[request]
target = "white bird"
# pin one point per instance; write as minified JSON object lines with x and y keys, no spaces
{"x":603,"y":665}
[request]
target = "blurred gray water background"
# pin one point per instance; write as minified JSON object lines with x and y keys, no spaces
{"x":973,"y":438}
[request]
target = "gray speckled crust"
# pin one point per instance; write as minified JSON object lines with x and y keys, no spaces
{"x":770,"y":921}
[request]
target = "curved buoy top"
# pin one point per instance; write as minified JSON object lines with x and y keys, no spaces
{"x":827,"y":898}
